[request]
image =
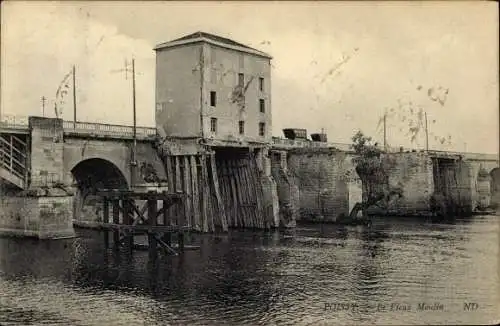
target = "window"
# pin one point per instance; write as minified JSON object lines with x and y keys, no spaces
{"x":261,"y":84}
{"x":213,"y":98}
{"x":213,"y":125}
{"x":241,"y":127}
{"x":241,"y":80}
{"x":262,"y":128}
{"x":262,"y":105}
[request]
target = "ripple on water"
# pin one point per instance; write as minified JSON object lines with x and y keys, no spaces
{"x":253,"y":278}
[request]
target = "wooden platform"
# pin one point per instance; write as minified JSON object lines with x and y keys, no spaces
{"x":128,"y":219}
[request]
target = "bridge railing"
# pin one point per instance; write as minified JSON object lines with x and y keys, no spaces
{"x":107,"y":129}
{"x":13,"y":121}
{"x":13,"y":153}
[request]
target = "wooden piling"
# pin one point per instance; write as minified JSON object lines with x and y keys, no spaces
{"x":226,"y":192}
{"x":166,"y":221}
{"x":207,"y":218}
{"x":187,"y":192}
{"x":127,"y":220}
{"x":237,"y":180}
{"x":264,"y":222}
{"x":246,"y":190}
{"x":105,"y":208}
{"x":221,"y":211}
{"x":152,"y":216}
{"x":180,"y":239}
{"x":178,"y":188}
{"x":194,"y":186}
{"x":238,"y":221}
{"x":116,"y":220}
{"x":171,"y":184}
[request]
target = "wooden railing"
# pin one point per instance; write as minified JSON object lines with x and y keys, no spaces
{"x":13,"y":153}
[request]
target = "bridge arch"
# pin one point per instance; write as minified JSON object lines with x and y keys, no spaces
{"x":89,"y":176}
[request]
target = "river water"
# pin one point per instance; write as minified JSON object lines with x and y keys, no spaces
{"x":314,"y":275}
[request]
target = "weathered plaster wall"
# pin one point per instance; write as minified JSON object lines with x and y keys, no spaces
{"x":221,"y":75}
{"x":178,"y":91}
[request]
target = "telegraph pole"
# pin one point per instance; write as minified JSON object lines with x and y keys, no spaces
{"x":43,"y":105}
{"x":426,"y":134}
{"x":134,"y":163}
{"x":74,"y":97}
{"x":385,"y":131}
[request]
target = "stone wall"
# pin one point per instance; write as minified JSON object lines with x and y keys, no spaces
{"x":46,"y":155}
{"x":321,"y":177}
{"x":412,"y":172}
{"x":43,"y":217}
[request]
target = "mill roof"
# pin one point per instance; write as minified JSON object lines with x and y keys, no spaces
{"x":212,"y":39}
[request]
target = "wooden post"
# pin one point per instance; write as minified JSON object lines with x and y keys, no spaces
{"x":235,"y":183}
{"x":116,"y":220}
{"x":180,"y":239}
{"x":205,"y":194}
{"x":178,"y":187}
{"x":166,"y":235}
{"x":225,"y":197}
{"x":129,"y":240}
{"x":220,"y":205}
{"x":194,"y":186}
{"x":187,"y":191}
{"x":232,"y":180}
{"x":105,"y":217}
{"x":171,"y":185}
{"x":247,"y":192}
{"x":259,"y":196}
{"x":152,"y":216}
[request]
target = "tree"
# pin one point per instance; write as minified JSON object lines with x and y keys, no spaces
{"x":372,"y":168}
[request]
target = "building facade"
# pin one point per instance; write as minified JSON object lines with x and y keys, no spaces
{"x":213,"y":88}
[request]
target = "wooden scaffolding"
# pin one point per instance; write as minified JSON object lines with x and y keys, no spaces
{"x":128,"y":219}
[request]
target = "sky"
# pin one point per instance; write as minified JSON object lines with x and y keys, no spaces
{"x":337,"y":66}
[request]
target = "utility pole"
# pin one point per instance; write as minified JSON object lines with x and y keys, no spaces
{"x":134,"y":163}
{"x":426,"y":134}
{"x":43,"y":105}
{"x":74,"y":97}
{"x":385,"y":131}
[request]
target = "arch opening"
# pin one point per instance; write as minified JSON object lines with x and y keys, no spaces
{"x":90,"y":176}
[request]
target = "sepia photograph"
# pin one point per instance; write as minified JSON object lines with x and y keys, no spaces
{"x":249,"y":163}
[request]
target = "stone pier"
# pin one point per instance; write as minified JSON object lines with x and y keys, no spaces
{"x":45,"y":208}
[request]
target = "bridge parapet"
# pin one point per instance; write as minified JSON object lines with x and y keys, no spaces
{"x":285,"y":143}
{"x":104,"y":129}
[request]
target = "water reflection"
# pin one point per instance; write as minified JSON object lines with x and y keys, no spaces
{"x":259,"y":277}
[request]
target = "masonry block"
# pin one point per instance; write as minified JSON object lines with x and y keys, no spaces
{"x":320,"y":175}
{"x":47,"y":146}
{"x":42,"y":217}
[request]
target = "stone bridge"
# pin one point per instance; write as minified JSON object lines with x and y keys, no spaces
{"x":44,"y":162}
{"x":329,"y":186}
